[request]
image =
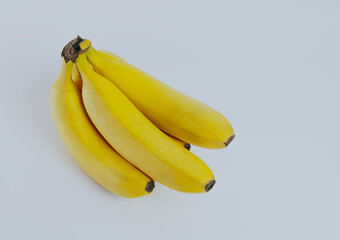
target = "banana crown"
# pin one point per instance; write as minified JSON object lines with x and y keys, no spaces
{"x":74,"y":48}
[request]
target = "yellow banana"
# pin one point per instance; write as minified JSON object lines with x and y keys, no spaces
{"x":171,"y":111}
{"x":76,"y":77}
{"x":95,"y":156}
{"x":136,"y":138}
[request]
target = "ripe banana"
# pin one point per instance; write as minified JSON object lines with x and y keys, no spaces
{"x":76,"y":77}
{"x":95,"y":156}
{"x":173,"y":112}
{"x":136,"y":138}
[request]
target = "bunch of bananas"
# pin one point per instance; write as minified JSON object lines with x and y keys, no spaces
{"x":126,"y":128}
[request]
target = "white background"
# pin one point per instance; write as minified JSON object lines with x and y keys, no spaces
{"x":271,"y":67}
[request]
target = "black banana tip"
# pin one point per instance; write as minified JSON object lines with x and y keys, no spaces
{"x":231,"y":138}
{"x":210,"y":185}
{"x":187,"y":146}
{"x":150,"y":186}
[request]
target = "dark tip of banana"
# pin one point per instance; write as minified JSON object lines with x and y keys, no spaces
{"x":210,"y":185}
{"x":150,"y":186}
{"x":231,"y":138}
{"x":187,"y":146}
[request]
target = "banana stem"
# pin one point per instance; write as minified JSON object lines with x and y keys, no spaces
{"x":73,"y":49}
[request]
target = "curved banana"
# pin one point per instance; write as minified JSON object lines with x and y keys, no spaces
{"x":112,"y":56}
{"x":76,"y":77}
{"x":95,"y":156}
{"x":171,"y":111}
{"x":137,"y":139}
